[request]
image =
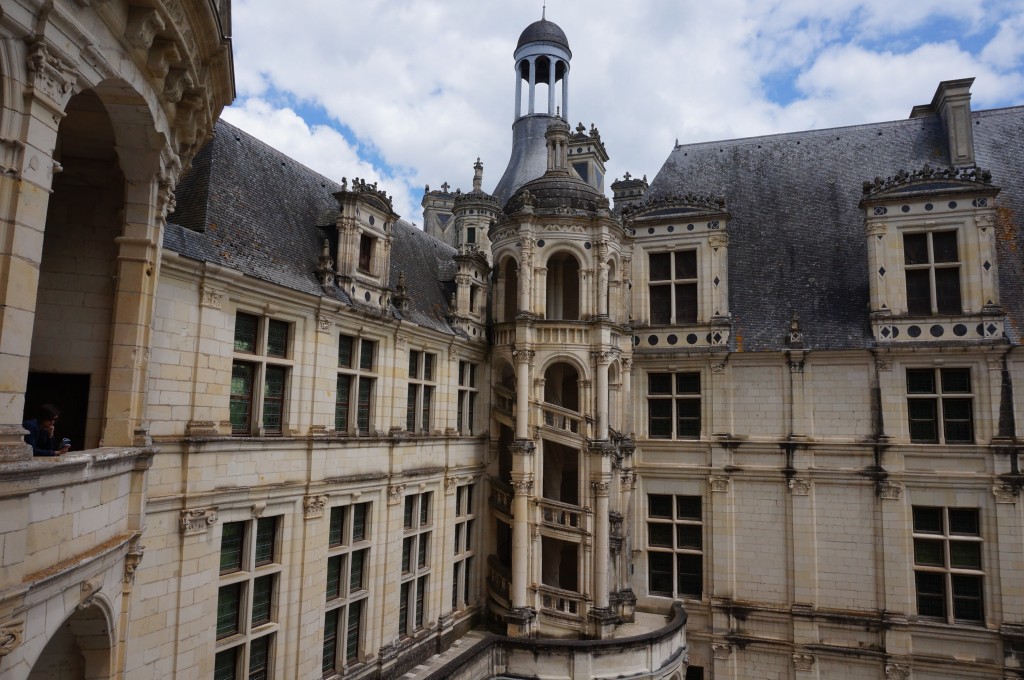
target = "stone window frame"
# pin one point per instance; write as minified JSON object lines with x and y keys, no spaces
{"x":468,"y":395}
{"x":942,"y":400}
{"x":674,"y":281}
{"x":421,"y":397}
{"x":251,"y":641}
{"x":676,"y":521}
{"x":937,"y":299}
{"x":675,"y":397}
{"x":464,"y":546}
{"x":346,"y":538}
{"x":359,"y":417}
{"x":416,"y":567}
{"x":944,"y":572}
{"x":262,"y":360}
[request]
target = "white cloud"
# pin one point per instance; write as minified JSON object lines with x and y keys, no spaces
{"x":428,"y":85}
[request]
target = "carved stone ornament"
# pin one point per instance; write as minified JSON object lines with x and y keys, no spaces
{"x":628,"y":481}
{"x":453,"y":354}
{"x":721,"y":650}
{"x":1005,"y":493}
{"x":198,"y":520}
{"x":719,"y":240}
{"x":11,"y":635}
{"x":395,"y":492}
{"x":212,"y":297}
{"x":313,"y":506}
{"x":143,"y":25}
{"x":627,"y":363}
{"x":877,"y":228}
{"x":803,"y":662}
{"x":718,"y":368}
{"x":258,"y":509}
{"x":323,"y":324}
{"x":719,"y":484}
{"x":523,"y":356}
{"x":796,"y":366}
{"x":883,"y":365}
{"x":800,"y":487}
{"x":890,"y":491}
{"x":522,"y":487}
{"x":132,"y":560}
{"x":450,"y":484}
{"x":50,"y":75}
{"x":599,"y":488}
{"x":401,"y":342}
{"x":895,"y":671}
{"x":89,"y":589}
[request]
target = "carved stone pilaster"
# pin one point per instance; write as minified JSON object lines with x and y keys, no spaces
{"x":890,"y":491}
{"x":718,"y":240}
{"x":11,"y":635}
{"x":313,"y":506}
{"x":395,"y":492}
{"x":450,"y":484}
{"x":721,"y":650}
{"x":522,"y":447}
{"x":88,"y":590}
{"x":719,"y":484}
{"x":198,"y":520}
{"x":800,"y":487}
{"x":1005,"y":493}
{"x":212,"y":298}
{"x":803,"y":662}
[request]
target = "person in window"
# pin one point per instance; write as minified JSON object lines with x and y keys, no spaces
{"x":40,"y":432}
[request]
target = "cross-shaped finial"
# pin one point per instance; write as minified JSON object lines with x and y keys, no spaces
{"x":626,"y":176}
{"x":444,"y":187}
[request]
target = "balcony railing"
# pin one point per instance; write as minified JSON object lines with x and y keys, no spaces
{"x":556,"y":513}
{"x":561,"y":601}
{"x":499,"y":581}
{"x":563,"y":419}
{"x":501,"y":497}
{"x":504,"y":400}
{"x":561,"y":333}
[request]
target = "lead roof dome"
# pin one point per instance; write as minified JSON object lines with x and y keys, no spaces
{"x":543,"y":31}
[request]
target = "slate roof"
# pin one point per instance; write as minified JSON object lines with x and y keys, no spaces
{"x":543,"y":31}
{"x":796,"y":234}
{"x":248,"y":207}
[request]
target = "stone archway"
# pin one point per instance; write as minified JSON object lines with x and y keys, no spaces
{"x":80,"y":649}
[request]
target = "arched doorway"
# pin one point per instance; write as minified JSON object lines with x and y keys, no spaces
{"x":510,"y":290}
{"x":79,"y":650}
{"x":563,"y":287}
{"x":561,"y":386}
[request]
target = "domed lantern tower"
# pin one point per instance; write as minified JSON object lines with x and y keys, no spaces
{"x":542,"y":58}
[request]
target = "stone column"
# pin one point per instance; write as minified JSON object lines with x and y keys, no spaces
{"x":565,"y":93}
{"x":602,"y":279}
{"x":603,"y":360}
{"x":24,"y":200}
{"x":600,"y":489}
{"x":521,"y":617}
{"x":519,"y":92}
{"x":524,"y":357}
{"x":551,"y":87}
{"x":533,"y":83}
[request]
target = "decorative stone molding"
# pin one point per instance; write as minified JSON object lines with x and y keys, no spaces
{"x":450,"y":484}
{"x":395,"y":492}
{"x":313,"y":506}
{"x":877,"y":228}
{"x":535,"y":531}
{"x":143,"y":25}
{"x":198,"y":520}
{"x":522,"y":487}
{"x":323,"y":324}
{"x":1005,"y":493}
{"x":401,"y":342}
{"x":50,"y":75}
{"x":718,"y":368}
{"x":995,"y":363}
{"x":11,"y":635}
{"x":132,"y":560}
{"x":895,"y":671}
{"x":258,"y":509}
{"x":927,"y":174}
{"x":523,"y":356}
{"x":800,"y":487}
{"x":883,"y":365}
{"x":628,"y":480}
{"x":89,"y":588}
{"x":599,"y":488}
{"x":161,"y":56}
{"x":176,"y":83}
{"x":719,"y":240}
{"x":453,"y":353}
{"x":890,"y":491}
{"x":212,"y":297}
{"x":201,"y":428}
{"x":796,"y":366}
{"x":721,"y":650}
{"x":719,"y":484}
{"x":803,"y":662}
{"x":626,"y":363}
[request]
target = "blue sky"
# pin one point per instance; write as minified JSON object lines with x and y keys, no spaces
{"x":411,"y":92}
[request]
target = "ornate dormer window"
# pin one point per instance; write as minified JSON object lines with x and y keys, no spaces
{"x":364,"y":241}
{"x":932,"y":258}
{"x":680,"y":291}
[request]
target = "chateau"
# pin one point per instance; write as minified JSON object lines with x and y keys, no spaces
{"x":755,"y":418}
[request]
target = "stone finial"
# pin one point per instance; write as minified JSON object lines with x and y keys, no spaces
{"x":401,"y":297}
{"x":478,"y":174}
{"x":796,"y":336}
{"x":325,"y":265}
{"x":445,"y":187}
{"x":581,"y":128}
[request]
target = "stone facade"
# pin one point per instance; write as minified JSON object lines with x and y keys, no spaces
{"x":771,"y":395}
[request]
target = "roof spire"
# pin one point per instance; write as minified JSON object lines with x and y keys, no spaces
{"x":543,"y":10}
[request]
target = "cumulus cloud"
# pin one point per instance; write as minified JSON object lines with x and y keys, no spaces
{"x":424,"y":87}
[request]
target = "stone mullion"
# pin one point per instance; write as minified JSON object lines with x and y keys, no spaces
{"x":988,"y":280}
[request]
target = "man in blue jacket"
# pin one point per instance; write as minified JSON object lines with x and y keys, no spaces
{"x":40,"y":432}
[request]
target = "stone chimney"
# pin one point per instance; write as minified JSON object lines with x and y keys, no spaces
{"x":952,"y":103}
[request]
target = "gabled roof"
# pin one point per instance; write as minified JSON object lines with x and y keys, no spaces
{"x":249,"y":207}
{"x":796,"y":233}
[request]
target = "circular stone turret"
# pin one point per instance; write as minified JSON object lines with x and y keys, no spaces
{"x":544,"y":31}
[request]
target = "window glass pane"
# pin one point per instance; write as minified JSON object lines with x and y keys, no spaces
{"x":365,"y":252}
{"x":456,"y":574}
{"x":366,"y":349}
{"x":277,"y":338}
{"x":923,"y":426}
{"x":688,"y":418}
{"x":659,"y":573}
{"x":956,"y":380}
{"x":661,"y":266}
{"x":355,"y":617}
{"x":259,"y":655}
{"x":928,"y":520}
{"x":919,"y":292}
{"x":928,"y":552}
{"x":225,"y":663}
{"x":472,"y":375}
{"x":920,"y":381}
{"x":245,"y":332}
{"x":967,"y":597}
{"x":231,"y":547}
{"x":330,"y":641}
{"x":334,"y":568}
{"x":689,"y":573}
{"x":410,"y":511}
{"x":964,"y":555}
{"x":273,"y":399}
{"x":659,"y":423}
{"x":469,"y":535}
{"x":428,"y":398}
{"x":266,"y":533}
{"x":931,"y":593}
{"x":421,"y":591}
{"x":359,"y":518}
{"x":686,"y":264}
{"x":661,"y":304}
{"x":957,"y":425}
{"x":947,"y":290}
{"x":915,"y":248}
{"x":337,"y":533}
{"x":414,"y":364}
{"x":686,"y":303}
{"x":944,"y":246}
{"x":687,"y":383}
{"x":963,"y":521}
{"x":659,"y":506}
{"x":355,"y":578}
{"x":428,"y":366}
{"x":345,"y":351}
{"x":689,"y":536}
{"x":262,"y":594}
{"x":403,"y":610}
{"x":458,"y":538}
{"x":363,"y":405}
{"x":341,"y":405}
{"x":407,"y":544}
{"x":421,"y":556}
{"x":228,"y":599}
{"x":241,"y":397}
{"x":659,"y":383}
{"x":659,"y":535}
{"x":425,"y":509}
{"x":688,"y":507}
{"x":410,"y":408}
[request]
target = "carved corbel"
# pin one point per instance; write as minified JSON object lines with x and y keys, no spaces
{"x":89,"y":589}
{"x":198,"y":520}
{"x":395,"y":492}
{"x":132,"y":560}
{"x":162,"y":56}
{"x":313,"y":506}
{"x":49,"y":74}
{"x":143,"y":25}
{"x":11,"y":635}
{"x":177,"y":81}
